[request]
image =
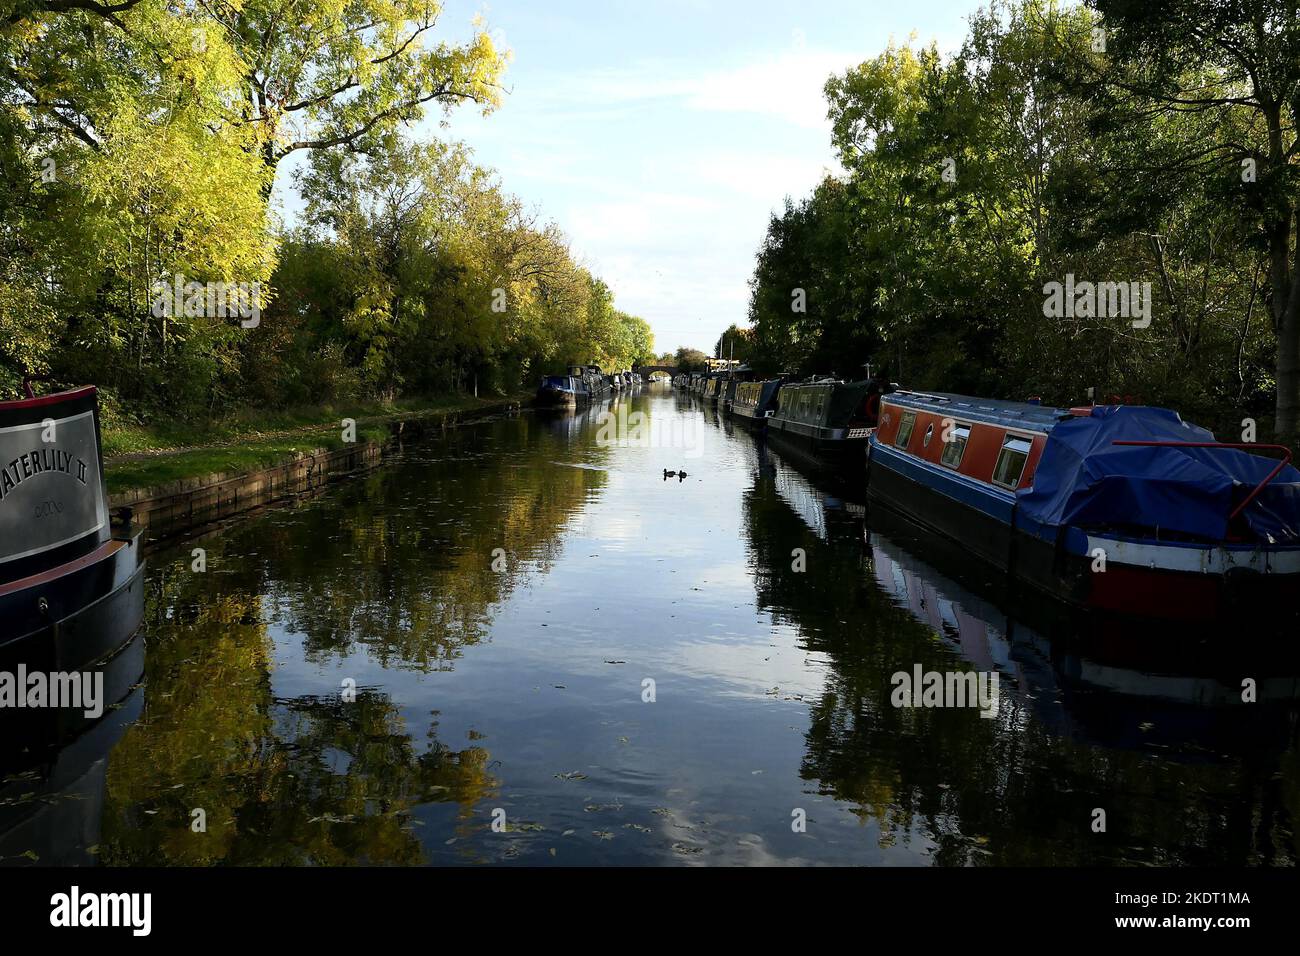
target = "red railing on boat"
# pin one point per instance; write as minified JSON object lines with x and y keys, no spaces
{"x":1245,"y":446}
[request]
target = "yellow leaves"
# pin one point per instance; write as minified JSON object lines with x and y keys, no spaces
{"x":174,"y":198}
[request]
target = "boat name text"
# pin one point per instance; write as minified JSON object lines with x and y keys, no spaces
{"x":40,"y":462}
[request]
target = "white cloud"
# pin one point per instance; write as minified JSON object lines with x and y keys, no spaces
{"x":787,"y":86}
{"x":663,"y":171}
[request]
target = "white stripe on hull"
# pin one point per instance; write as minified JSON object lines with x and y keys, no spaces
{"x":1195,"y":559}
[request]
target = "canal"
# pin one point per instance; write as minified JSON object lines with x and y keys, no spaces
{"x":521,"y":643}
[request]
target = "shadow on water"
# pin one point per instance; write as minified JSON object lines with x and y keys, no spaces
{"x":371,"y":675}
{"x":394,"y":565}
{"x":1101,"y":713}
{"x":53,"y":762}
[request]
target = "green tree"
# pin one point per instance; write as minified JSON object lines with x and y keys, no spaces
{"x":1206,"y":94}
{"x":334,"y":73}
{"x":691,"y":360}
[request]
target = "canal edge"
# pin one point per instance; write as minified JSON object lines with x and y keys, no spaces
{"x":188,"y":506}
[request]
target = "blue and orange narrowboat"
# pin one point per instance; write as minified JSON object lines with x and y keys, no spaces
{"x":1116,"y":508}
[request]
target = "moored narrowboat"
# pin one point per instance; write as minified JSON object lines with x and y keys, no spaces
{"x":1115,"y":508}
{"x":728,"y":396}
{"x":598,"y":383}
{"x":564,"y":391}
{"x":755,"y":401}
{"x":826,"y":419}
{"x":71,"y":590}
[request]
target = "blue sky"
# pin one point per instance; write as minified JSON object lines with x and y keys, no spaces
{"x":661,"y":134}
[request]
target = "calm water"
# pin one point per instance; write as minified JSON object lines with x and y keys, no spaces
{"x":521,"y":687}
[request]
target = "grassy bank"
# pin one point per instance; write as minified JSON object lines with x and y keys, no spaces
{"x":147,"y":456}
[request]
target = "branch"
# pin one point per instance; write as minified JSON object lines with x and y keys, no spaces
{"x":343,"y":87}
{"x":105,"y":10}
{"x":51,"y":109}
{"x":347,"y":138}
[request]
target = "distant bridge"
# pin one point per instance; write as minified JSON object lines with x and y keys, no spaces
{"x":647,"y":370}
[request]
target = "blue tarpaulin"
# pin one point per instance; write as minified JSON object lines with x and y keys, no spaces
{"x":1085,"y":480}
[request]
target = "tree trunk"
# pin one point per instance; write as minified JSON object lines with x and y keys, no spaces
{"x":1287,"y":426}
{"x":1288,"y":382}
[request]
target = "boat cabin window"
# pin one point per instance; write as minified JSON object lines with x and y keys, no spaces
{"x":955,"y":448}
{"x":905,"y":430}
{"x":1011,"y":461}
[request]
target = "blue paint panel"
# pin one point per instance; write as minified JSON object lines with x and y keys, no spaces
{"x":993,"y":502}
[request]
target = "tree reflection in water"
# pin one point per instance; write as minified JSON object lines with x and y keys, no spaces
{"x":1085,"y":720}
{"x":397,"y":567}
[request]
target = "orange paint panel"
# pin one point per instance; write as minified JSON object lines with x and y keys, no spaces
{"x":982,"y":447}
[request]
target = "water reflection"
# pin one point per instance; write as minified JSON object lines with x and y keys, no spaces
{"x":377,"y":674}
{"x":53,"y":764}
{"x":1108,"y":716}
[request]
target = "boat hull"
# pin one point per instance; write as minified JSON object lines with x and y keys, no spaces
{"x":749,"y":416}
{"x":93,"y":606}
{"x":891,"y":480}
{"x":558,"y":398}
{"x":836,"y":448}
{"x":1094,"y":572}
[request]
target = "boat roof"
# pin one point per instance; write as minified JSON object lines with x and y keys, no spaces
{"x":51,"y":399}
{"x":822,"y":380}
{"x":1025,"y":415}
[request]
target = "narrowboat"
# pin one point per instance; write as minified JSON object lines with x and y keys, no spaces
{"x":564,"y":391}
{"x":826,"y":419}
{"x":598,"y":384}
{"x":755,"y":402}
{"x":71,"y":589}
{"x":1114,"y":508}
{"x":728,"y":396}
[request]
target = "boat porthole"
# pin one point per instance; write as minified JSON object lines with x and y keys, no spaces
{"x":929,"y":432}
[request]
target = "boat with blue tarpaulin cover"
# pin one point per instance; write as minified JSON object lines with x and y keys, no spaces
{"x":1118,"y":508}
